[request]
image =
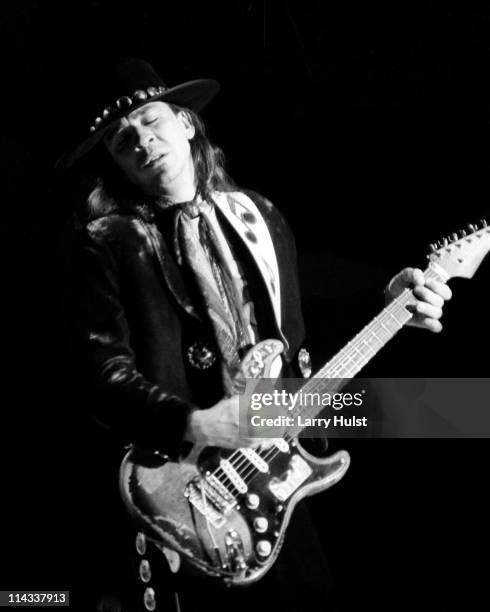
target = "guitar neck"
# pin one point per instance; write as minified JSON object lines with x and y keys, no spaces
{"x":348,"y":362}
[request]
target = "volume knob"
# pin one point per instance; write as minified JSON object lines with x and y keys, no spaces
{"x":263,"y":548}
{"x":252,"y":501}
{"x":261,"y":524}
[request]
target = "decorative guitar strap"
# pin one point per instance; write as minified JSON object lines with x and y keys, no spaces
{"x":219,"y":283}
{"x":248,"y":222}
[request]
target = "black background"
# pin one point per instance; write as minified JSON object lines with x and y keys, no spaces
{"x":369,"y":126}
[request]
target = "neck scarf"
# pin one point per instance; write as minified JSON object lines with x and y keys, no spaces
{"x":198,"y":245}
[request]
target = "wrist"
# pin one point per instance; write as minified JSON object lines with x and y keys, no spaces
{"x":193,"y":427}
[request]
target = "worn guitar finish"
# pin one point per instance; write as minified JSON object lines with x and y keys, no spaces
{"x":225,"y":513}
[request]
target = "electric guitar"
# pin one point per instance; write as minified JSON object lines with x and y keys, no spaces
{"x":223,"y":513}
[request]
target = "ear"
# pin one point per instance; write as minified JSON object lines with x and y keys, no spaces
{"x":189,"y":128}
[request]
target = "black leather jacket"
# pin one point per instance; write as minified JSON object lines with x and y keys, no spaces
{"x":138,"y":320}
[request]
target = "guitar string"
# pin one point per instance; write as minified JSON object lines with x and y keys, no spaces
{"x":399,"y":302}
{"x":338,"y":363}
{"x":403,"y":299}
{"x":353,"y":365}
{"x":239,"y":461}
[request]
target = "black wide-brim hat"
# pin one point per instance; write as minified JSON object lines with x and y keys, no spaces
{"x":135,"y":83}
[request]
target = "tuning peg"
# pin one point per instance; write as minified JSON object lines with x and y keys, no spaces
{"x":483,"y":223}
{"x":454,"y":237}
{"x":462,"y":233}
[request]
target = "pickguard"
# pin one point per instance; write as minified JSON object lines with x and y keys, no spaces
{"x":282,"y":488}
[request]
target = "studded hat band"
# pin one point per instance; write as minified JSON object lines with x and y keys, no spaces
{"x":125,"y":103}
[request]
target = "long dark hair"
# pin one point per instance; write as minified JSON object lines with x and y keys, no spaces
{"x":113,"y":192}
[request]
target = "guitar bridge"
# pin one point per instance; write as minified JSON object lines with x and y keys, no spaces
{"x":211,"y":498}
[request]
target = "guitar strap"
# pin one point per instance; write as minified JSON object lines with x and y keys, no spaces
{"x":220,"y":284}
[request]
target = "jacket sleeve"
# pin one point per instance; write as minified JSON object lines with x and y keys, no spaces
{"x":134,"y":408}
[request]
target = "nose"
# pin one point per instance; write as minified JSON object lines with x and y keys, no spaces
{"x":143,"y":139}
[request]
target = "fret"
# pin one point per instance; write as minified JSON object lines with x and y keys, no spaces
{"x":340,"y":372}
{"x":323,"y":385}
{"x":365,"y":348}
{"x":391,"y":323}
{"x":357,"y":357}
{"x":399,"y":325}
{"x":400,"y":315}
{"x":350,"y":371}
{"x":383,"y":332}
{"x":373,"y":338}
{"x":359,"y":351}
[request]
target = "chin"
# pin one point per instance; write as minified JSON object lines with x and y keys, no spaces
{"x":155,"y":180}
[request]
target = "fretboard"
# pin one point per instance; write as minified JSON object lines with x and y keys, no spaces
{"x":349,"y":361}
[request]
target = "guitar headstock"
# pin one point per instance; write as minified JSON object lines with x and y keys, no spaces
{"x":461,"y":253}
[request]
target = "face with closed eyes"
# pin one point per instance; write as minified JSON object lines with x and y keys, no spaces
{"x":151,"y":146}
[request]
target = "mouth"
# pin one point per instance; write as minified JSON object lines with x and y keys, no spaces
{"x":153,"y":160}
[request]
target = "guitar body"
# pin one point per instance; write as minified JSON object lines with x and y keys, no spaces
{"x":225,"y":513}
{"x":229,"y":547}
